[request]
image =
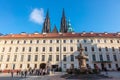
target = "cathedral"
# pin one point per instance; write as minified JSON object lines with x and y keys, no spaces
{"x":58,"y":48}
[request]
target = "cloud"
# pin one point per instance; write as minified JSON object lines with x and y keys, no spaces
{"x":37,"y":16}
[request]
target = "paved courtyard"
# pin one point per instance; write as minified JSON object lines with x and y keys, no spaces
{"x":57,"y":76}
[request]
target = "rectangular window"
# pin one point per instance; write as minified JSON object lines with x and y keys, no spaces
{"x":50,"y":41}
{"x":6,"y":65}
{"x":37,"y":41}
{"x":17,"y":42}
{"x":118,"y":41}
{"x":94,"y":58}
{"x":106,"y":48}
{"x":15,"y":57}
{"x":24,"y":42}
{"x":1,"y":57}
{"x":28,"y":65}
{"x":16,"y":50}
{"x":10,"y":49}
{"x":85,"y":41}
{"x":29,"y":49}
{"x":104,"y":41}
{"x":71,"y":41}
{"x":113,"y":49}
{"x":57,"y":57}
{"x":57,"y":48}
{"x":72,"y":57}
{"x":20,"y":65}
{"x":100,"y":49}
{"x":50,"y":49}
{"x":35,"y":66}
{"x":36,"y":57}
{"x":116,"y":65}
{"x":22,"y":57}
{"x":5,"y":42}
{"x":92,"y":48}
{"x":43,"y":57}
{"x":71,"y":48}
{"x":101,"y":57}
{"x":64,"y":65}
{"x":36,"y":49}
{"x":111,"y":41}
{"x":108,"y":57}
{"x":23,"y":49}
{"x":114,"y":57}
{"x":43,"y":49}
{"x":50,"y":58}
{"x":98,"y":41}
{"x":31,"y":41}
{"x":64,"y":57}
{"x":64,"y":41}
{"x":91,"y":41}
{"x":29,"y":57}
{"x":109,"y":65}
{"x":85,"y":48}
{"x":64,"y":49}
{"x":11,"y":42}
{"x":8,"y":58}
{"x":77,"y":41}
{"x":57,"y":41}
{"x":44,"y":41}
{"x":3,"y":49}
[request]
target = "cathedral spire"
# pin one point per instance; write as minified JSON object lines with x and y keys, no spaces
{"x":46,"y":25}
{"x":63,"y":26}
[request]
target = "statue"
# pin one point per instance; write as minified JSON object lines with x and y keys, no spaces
{"x":82,"y":59}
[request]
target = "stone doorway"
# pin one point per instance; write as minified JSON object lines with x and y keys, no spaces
{"x":42,"y":65}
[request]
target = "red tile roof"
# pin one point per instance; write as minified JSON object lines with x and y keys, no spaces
{"x":61,"y":35}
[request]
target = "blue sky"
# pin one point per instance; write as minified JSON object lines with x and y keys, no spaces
{"x":18,"y":16}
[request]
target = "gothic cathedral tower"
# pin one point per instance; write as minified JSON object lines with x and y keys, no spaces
{"x":46,"y":24}
{"x":63,"y":26}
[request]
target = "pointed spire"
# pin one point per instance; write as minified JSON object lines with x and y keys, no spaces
{"x":47,"y":14}
{"x":55,"y":30}
{"x":63,"y":13}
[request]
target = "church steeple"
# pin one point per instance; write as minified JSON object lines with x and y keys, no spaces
{"x":63,"y":26}
{"x":46,"y":24}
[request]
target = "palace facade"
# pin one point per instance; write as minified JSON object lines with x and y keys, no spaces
{"x":58,"y":49}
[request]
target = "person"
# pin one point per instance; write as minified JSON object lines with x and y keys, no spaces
{"x":11,"y":73}
{"x":105,"y":69}
{"x":25,"y":73}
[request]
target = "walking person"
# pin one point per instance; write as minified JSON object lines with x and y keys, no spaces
{"x":106,"y":71}
{"x":11,"y":73}
{"x":25,"y":73}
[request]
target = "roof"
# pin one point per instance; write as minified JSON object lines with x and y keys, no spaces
{"x":61,"y":35}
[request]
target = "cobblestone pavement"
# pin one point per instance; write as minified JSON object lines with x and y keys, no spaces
{"x":56,"y":76}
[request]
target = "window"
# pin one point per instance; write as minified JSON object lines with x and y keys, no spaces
{"x":11,"y":42}
{"x":118,"y":41}
{"x":50,"y":58}
{"x":109,"y":65}
{"x":5,"y":42}
{"x":94,"y":58}
{"x":77,"y":41}
{"x":36,"y":49}
{"x":3,"y":49}
{"x":64,"y":48}
{"x":6,"y":66}
{"x":50,"y":41}
{"x":16,"y":50}
{"x":92,"y":48}
{"x":104,"y":41}
{"x":36,"y":57}
{"x":64,"y":65}
{"x":43,"y":57}
{"x":20,"y":65}
{"x":100,"y":49}
{"x":29,"y":49}
{"x":15,"y":57}
{"x":28,"y":65}
{"x":85,"y":41}
{"x":108,"y":58}
{"x":23,"y":49}
{"x":101,"y":57}
{"x":98,"y":41}
{"x":24,"y":42}
{"x":71,"y":48}
{"x":8,"y":58}
{"x":91,"y":41}
{"x":114,"y":57}
{"x":64,"y":41}
{"x":37,"y":41}
{"x":50,"y":49}
{"x":64,"y":57}
{"x":85,"y":48}
{"x":113,"y":49}
{"x":31,"y":41}
{"x":116,"y":65}
{"x":35,"y":66}
{"x":57,"y":48}
{"x":106,"y":48}
{"x":57,"y":57}
{"x":57,"y":41}
{"x":1,"y":57}
{"x":10,"y":49}
{"x":22,"y":57}
{"x":43,"y":49}
{"x":29,"y":57}
{"x":111,"y":41}
{"x":44,"y":41}
{"x":17,"y":42}
{"x":72,"y":57}
{"x":71,"y":41}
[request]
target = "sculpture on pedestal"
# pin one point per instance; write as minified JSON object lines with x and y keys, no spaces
{"x":82,"y":59}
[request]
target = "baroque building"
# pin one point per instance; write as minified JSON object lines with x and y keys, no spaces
{"x":58,"y":49}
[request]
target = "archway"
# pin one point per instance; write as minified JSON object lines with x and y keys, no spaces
{"x":42,"y":65}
